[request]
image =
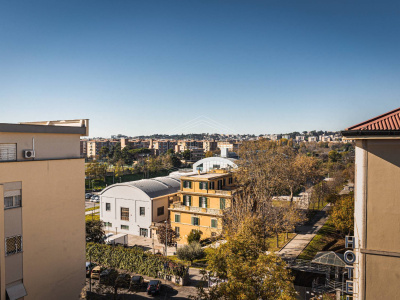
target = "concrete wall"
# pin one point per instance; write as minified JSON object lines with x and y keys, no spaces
{"x":47,"y":146}
{"x":53,"y":226}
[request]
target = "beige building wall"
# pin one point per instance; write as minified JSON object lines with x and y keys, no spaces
{"x":377,"y":219}
{"x":53,"y":228}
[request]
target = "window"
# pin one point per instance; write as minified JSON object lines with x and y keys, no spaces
{"x":125,"y":227}
{"x":187,"y":200}
{"x":13,"y":245}
{"x":142,"y":211}
{"x":219,"y":185}
{"x":177,"y":231}
{"x":214,"y":223}
{"x":124,"y":213}
{"x":212,"y":185}
{"x":203,"y":185}
{"x":108,"y":206}
{"x":160,"y":211}
{"x":230,"y":180}
{"x":8,"y":152}
{"x":177,"y":218}
{"x":216,"y":166}
{"x":107,"y":224}
{"x":203,"y":202}
{"x":12,"y":201}
{"x":187,"y":184}
{"x":195,"y":221}
{"x":221,"y":203}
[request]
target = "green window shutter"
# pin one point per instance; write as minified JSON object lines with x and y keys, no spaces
{"x":206,"y":185}
{"x":200,"y":199}
{"x":190,"y":184}
{"x":214,"y":223}
{"x":177,"y":218}
{"x":207,"y":202}
{"x":201,"y":185}
{"x":190,"y":200}
{"x":222,"y":203}
{"x":192,"y":220}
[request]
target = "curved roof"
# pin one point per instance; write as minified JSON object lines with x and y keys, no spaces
{"x":154,"y":187}
{"x":223,"y":160}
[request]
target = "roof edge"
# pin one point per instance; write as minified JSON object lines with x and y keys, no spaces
{"x":371,"y":133}
{"x":373,"y":119}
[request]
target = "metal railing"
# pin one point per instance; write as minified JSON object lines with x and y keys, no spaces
{"x":182,"y":207}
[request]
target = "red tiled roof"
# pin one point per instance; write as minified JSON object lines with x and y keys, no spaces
{"x":387,"y":121}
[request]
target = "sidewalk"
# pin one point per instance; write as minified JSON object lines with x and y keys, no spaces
{"x":304,"y":235}
{"x":96,"y":211}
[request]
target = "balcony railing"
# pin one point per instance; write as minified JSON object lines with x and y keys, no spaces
{"x":212,"y":211}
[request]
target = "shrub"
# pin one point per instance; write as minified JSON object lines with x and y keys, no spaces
{"x":194,"y":236}
{"x":132,"y":259}
{"x":190,"y":252}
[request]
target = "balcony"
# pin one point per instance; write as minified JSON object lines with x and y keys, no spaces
{"x":194,"y":209}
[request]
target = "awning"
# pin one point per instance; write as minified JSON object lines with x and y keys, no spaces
{"x":16,"y":291}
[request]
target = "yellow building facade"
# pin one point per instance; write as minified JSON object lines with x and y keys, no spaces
{"x":202,"y":201}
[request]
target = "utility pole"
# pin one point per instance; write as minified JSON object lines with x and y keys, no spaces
{"x":166,"y":237}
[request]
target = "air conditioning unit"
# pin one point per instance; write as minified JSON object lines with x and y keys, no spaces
{"x":29,"y":153}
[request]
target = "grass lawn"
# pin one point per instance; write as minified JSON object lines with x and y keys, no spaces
{"x":89,"y":217}
{"x":326,"y":239}
{"x":92,"y":208}
{"x":282,"y":241}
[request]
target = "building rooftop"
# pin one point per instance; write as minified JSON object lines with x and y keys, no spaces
{"x":79,"y":126}
{"x":206,"y":176}
{"x":387,"y":124}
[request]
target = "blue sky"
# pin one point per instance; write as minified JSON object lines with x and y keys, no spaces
{"x":142,"y":67}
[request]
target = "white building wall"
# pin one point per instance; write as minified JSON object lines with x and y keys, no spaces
{"x":129,"y":197}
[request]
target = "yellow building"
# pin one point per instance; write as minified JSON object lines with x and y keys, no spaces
{"x":203,"y":199}
{"x":42,"y":227}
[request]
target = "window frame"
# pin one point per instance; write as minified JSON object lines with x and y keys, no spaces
{"x":198,"y":221}
{"x":177,"y":231}
{"x":108,"y":206}
{"x":177,"y":216}
{"x":159,"y":209}
{"x":140,"y":211}
{"x":216,"y":223}
{"x":222,"y":203}
{"x":15,"y":201}
{"x":123,"y":216}
{"x":126,"y":227}
{"x":8,"y":253}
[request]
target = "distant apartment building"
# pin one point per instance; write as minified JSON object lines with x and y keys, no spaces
{"x":210,"y":145}
{"x":300,"y":138}
{"x":94,"y":146}
{"x":42,"y":224}
{"x":376,"y":240}
{"x":286,"y":136}
{"x":312,"y":139}
{"x":202,"y":201}
{"x":134,"y":143}
{"x":162,"y":146}
{"x":231,"y":146}
{"x":188,"y":145}
{"x":83,"y":148}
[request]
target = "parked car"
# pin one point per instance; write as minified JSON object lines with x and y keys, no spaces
{"x":106,"y":236}
{"x":154,"y":287}
{"x":123,"y":280}
{"x":95,"y":198}
{"x":136,"y":283}
{"x":88,"y":196}
{"x":95,"y":274}
{"x":89,"y":268}
{"x":108,"y":276}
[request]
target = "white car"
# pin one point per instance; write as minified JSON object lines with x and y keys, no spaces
{"x":95,"y":198}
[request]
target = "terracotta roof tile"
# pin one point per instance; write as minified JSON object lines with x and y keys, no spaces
{"x":387,"y":121}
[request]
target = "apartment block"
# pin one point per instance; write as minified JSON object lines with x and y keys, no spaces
{"x":42,"y":224}
{"x":202,"y":201}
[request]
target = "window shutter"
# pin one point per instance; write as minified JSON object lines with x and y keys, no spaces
{"x":190,"y":184}
{"x":190,"y":200}
{"x":200,"y":200}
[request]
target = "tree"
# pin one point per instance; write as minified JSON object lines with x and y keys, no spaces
{"x":248,"y":272}
{"x":186,"y":154}
{"x":96,"y":170}
{"x":94,"y":231}
{"x":209,"y":154}
{"x":176,"y":162}
{"x":190,"y":252}
{"x":170,"y":233}
{"x":104,"y":151}
{"x":170,"y":151}
{"x":334,"y":156}
{"x":194,"y":236}
{"x":343,"y":214}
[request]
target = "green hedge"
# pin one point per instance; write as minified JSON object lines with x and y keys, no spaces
{"x":132,"y":259}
